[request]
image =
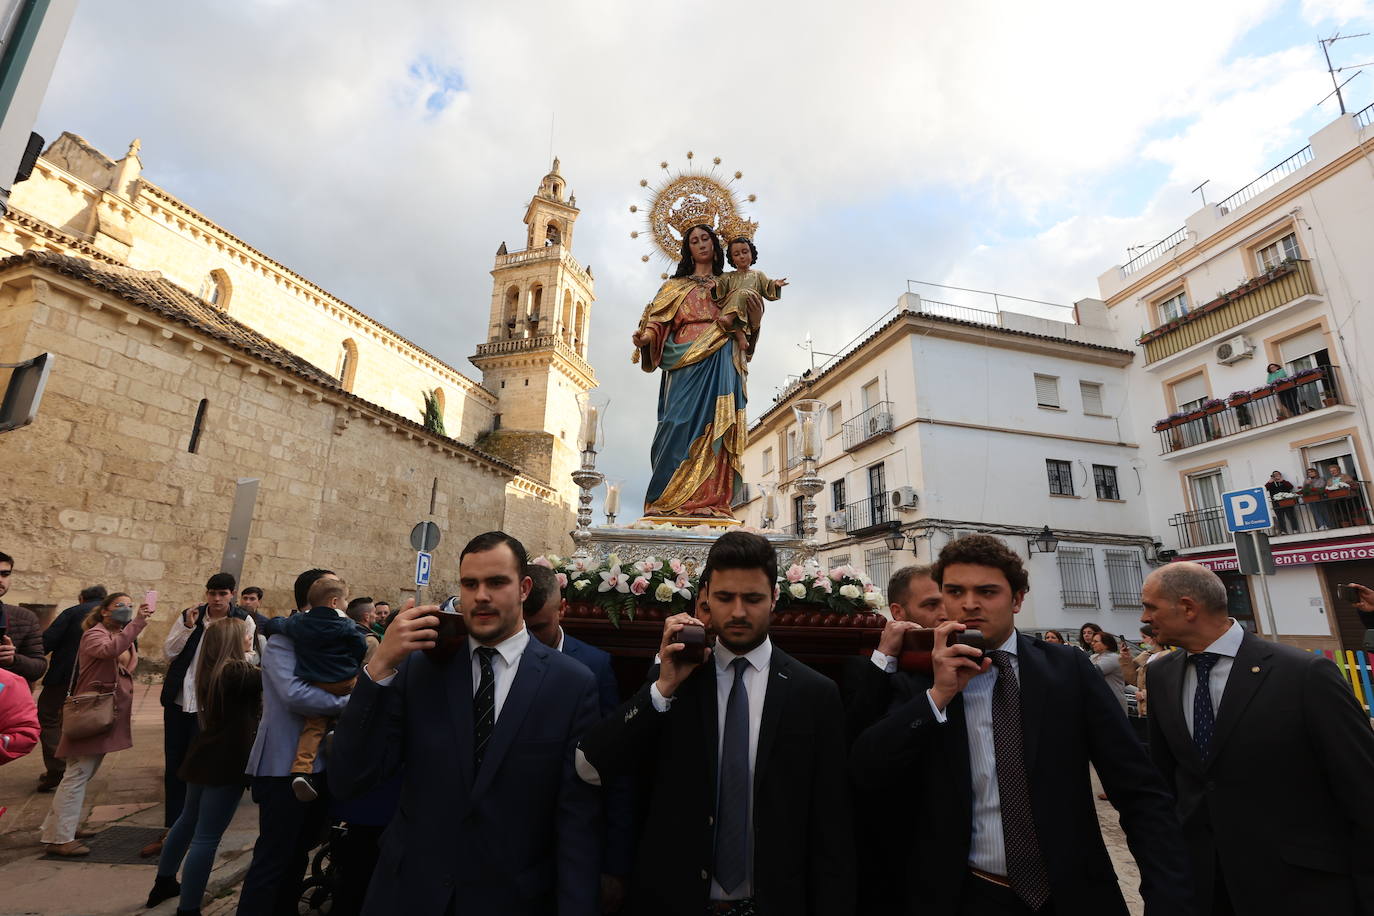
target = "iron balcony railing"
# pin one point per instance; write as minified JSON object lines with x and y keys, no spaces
{"x":868,"y":513}
{"x":1276,"y":288}
{"x":873,"y":422}
{"x":1273,"y":404}
{"x":1155,"y":251}
{"x":1323,"y":510}
{"x":1270,"y":178}
{"x":1364,"y":116}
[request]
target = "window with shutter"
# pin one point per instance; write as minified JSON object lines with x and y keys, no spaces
{"x":1047,"y":390}
{"x":1091,"y":393}
{"x":1190,"y":390}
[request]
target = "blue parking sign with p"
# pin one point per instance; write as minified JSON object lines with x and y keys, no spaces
{"x":422,"y":564}
{"x":1247,"y":510}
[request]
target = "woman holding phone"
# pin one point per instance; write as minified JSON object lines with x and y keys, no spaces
{"x":105,"y":660}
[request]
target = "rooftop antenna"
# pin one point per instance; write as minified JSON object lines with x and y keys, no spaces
{"x":1326,"y":44}
{"x":1198,"y":190}
{"x":810,"y":347}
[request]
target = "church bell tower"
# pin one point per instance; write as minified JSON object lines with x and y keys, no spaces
{"x":535,"y":356}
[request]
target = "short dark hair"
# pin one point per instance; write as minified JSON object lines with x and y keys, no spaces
{"x":93,"y":593}
{"x":6,"y":558}
{"x":490,"y":540}
{"x":983,"y":550}
{"x":1148,"y":630}
{"x":252,"y":590}
{"x":545,"y":587}
{"x":220,"y":581}
{"x":753,"y":252}
{"x":1108,"y":641}
{"x":899,"y":586}
{"x":741,"y":550}
{"x":353,"y":605}
{"x":305,"y":580}
{"x":382,"y":603}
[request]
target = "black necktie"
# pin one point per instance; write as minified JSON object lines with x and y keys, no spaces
{"x":483,"y":707}
{"x":732,"y":804}
{"x":1025,"y":866}
{"x":1204,"y":716}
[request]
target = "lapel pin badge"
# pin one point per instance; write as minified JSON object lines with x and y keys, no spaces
{"x":1255,"y":670}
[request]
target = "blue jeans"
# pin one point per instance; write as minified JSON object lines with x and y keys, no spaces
{"x":195,"y":836}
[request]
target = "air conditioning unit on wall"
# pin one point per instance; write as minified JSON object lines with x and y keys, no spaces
{"x":905,"y":498}
{"x":1233,"y":350}
{"x":836,"y":521}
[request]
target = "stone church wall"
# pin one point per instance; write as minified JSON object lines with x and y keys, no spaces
{"x":154,"y":231}
{"x":101,"y":488}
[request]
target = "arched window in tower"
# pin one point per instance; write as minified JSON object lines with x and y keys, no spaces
{"x":552,"y":236}
{"x":580,"y":341}
{"x":215,"y":289}
{"x":566,"y":325}
{"x":536,"y":304}
{"x":509,"y":314}
{"x":348,"y":364}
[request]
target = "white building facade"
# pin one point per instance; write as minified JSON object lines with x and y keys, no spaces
{"x":1278,"y":273}
{"x":948,"y":420}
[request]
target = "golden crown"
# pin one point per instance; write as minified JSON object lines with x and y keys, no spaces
{"x":690,"y":198}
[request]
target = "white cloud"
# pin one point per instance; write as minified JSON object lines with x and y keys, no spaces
{"x":303,"y":127}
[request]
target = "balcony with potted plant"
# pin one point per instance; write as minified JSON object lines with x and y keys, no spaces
{"x":1298,"y":397}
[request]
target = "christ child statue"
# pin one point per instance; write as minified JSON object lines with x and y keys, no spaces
{"x":741,"y":293}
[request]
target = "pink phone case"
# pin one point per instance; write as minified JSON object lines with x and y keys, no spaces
{"x":151,"y":599}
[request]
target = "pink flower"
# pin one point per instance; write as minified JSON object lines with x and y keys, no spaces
{"x":823,"y":583}
{"x":542,"y":561}
{"x":640,"y":585}
{"x":562,"y":580}
{"x":837,"y":573}
{"x":649,"y":565}
{"x":676,"y":566}
{"x":682,"y":580}
{"x":795,"y":573}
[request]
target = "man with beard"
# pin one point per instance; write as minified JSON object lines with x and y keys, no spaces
{"x":741,"y":753}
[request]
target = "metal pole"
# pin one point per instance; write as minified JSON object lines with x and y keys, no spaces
{"x":1326,"y":51}
{"x":1264,"y":589}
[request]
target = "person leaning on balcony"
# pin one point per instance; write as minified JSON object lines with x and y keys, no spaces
{"x":1288,"y":515}
{"x":1341,"y":484}
{"x":1288,"y":400}
{"x":1314,"y":485}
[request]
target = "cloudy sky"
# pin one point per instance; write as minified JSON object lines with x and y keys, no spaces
{"x":385,"y":151}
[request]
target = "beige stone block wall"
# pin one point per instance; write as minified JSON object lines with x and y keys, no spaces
{"x":102,"y":488}
{"x":186,"y":248}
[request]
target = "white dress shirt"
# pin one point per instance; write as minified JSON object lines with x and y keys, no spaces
{"x":1226,"y":646}
{"x":756,"y":683}
{"x":986,"y":851}
{"x":887,"y":663}
{"x":504,"y":664}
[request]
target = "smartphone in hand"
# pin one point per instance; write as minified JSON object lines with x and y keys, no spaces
{"x":150,"y":599}
{"x":449,"y":636}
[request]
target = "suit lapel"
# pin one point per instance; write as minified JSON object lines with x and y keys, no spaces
{"x":1166,"y":702}
{"x":534,"y":661}
{"x":710,"y":736}
{"x":457,"y":678}
{"x":1248,"y":672}
{"x":1033,"y":681}
{"x":778,"y":688}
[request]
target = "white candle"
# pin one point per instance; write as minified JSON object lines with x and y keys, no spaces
{"x":612,"y":499}
{"x":809,"y":443}
{"x":770,"y":506}
{"x":589,"y":427}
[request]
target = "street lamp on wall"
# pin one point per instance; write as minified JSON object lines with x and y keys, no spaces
{"x":896,"y":539}
{"x":1045,"y":541}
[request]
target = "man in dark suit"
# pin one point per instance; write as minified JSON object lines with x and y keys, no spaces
{"x":544,"y":608}
{"x":1269,"y":754}
{"x":492,"y":818}
{"x":742,"y":759}
{"x":993,"y":753}
{"x":866,"y":686}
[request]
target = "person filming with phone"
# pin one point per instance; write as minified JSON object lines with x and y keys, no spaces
{"x":492,"y":818}
{"x":993,"y":749}
{"x":740,"y":749}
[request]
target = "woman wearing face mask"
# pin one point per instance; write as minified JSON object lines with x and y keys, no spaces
{"x":105,"y":661}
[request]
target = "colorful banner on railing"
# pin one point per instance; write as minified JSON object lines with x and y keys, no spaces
{"x":1301,"y":555}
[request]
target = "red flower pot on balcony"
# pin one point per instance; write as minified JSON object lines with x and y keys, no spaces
{"x":1286,"y":502}
{"x":1314,"y":496}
